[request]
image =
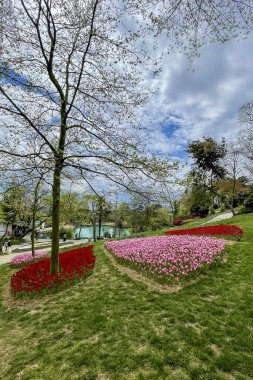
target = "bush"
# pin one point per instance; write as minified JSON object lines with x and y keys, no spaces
{"x":242,"y":210}
{"x":64,"y":230}
{"x":248,"y":203}
{"x":177,"y":222}
{"x":203,"y":213}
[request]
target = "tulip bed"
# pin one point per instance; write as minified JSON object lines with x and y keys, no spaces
{"x":231,"y":231}
{"x":35,"y":278}
{"x":27,"y":258}
{"x":168,"y":259}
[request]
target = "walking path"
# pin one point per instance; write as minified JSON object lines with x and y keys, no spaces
{"x":4,"y":259}
{"x":217,"y":218}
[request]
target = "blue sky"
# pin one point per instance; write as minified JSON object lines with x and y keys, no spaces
{"x":202,"y":99}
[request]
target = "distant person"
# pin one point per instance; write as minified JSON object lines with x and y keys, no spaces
{"x":76,"y":236}
{"x":64,"y":237}
{"x":9,"y":249}
{"x":5,"y":247}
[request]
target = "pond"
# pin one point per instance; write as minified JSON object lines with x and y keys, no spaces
{"x":86,"y":231}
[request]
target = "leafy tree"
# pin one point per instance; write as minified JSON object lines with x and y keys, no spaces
{"x":162,"y":217}
{"x":73,"y":209}
{"x":232,"y":189}
{"x":98,"y":209}
{"x":207,"y":165}
{"x":249,"y":203}
{"x":197,"y":201}
{"x":25,"y":205}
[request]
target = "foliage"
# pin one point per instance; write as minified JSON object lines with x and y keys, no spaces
{"x":168,"y":258}
{"x":66,"y":231}
{"x":197,"y":200}
{"x":73,"y":209}
{"x":177,"y":222}
{"x":206,"y":155}
{"x":27,"y":258}
{"x":207,"y":166}
{"x":219,"y":230}
{"x":35,"y":279}
{"x":248,"y":204}
{"x":17,"y":206}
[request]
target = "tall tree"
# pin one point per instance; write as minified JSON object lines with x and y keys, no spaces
{"x":207,"y":164}
{"x":71,"y":80}
{"x":71,"y":85}
{"x":245,"y":135}
{"x":233,"y":162}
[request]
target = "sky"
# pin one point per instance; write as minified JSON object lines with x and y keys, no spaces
{"x":199,"y":99}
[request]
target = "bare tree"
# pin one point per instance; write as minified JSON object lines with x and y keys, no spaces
{"x":245,"y":135}
{"x":72,"y":79}
{"x":71,"y":85}
{"x":233,"y":164}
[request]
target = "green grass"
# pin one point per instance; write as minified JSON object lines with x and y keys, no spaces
{"x":112,"y":327}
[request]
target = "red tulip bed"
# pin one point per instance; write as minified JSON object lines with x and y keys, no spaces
{"x":229,"y":231}
{"x":168,"y":259}
{"x":36,"y":279}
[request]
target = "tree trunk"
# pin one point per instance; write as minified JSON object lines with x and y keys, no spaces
{"x":33,"y":233}
{"x":34,"y":211}
{"x":225,"y":201}
{"x":54,"y":268}
{"x":94,"y":231}
{"x":233,"y":191}
{"x":99,"y":224}
{"x":230,"y":207}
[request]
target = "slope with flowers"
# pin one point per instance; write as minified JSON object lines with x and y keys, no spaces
{"x":168,"y":259}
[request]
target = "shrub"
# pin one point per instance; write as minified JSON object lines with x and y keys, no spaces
{"x":248,"y":203}
{"x":177,"y":222}
{"x":36,"y":279}
{"x":62,"y":231}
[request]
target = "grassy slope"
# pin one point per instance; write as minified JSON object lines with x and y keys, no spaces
{"x":111,"y":327}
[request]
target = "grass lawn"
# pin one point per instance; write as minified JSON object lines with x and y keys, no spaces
{"x":113,"y":327}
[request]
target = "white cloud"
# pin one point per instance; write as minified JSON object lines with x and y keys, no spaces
{"x":203,"y":100}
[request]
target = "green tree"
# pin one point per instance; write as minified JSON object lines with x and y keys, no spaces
{"x":73,"y":209}
{"x":197,"y":201}
{"x":207,"y":165}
